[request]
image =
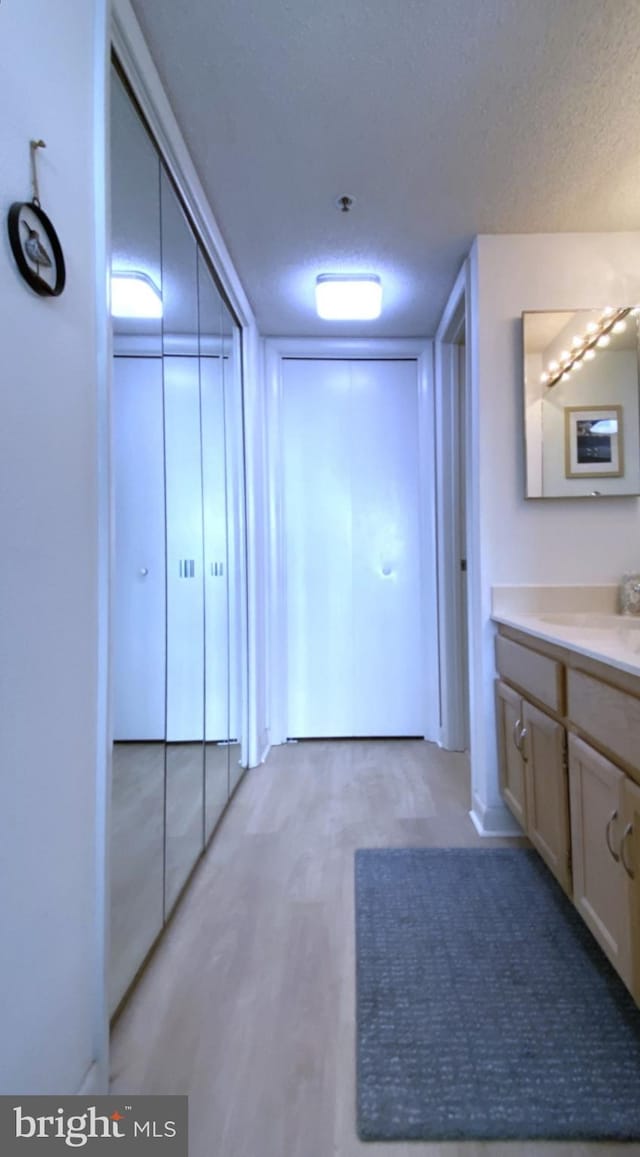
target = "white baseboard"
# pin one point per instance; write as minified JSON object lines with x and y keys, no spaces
{"x":494,"y":821}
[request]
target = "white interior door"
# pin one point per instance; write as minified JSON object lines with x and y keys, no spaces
{"x":351,"y":523}
{"x":139,"y":596}
{"x":216,"y":564}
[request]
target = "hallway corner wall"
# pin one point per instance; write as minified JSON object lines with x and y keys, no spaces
{"x":53,"y":620}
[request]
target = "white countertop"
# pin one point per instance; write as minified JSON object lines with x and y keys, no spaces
{"x":583,"y":619}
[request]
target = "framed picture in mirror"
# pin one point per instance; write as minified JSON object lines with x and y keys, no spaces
{"x":581,"y":402}
{"x":593,"y":442}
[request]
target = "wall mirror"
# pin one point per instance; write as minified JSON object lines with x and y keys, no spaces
{"x":582,"y":403}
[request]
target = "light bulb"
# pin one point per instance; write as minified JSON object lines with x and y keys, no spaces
{"x":619,"y":327}
{"x":577,"y":341}
{"x":544,"y":378}
{"x":565,"y":376}
{"x":564,"y":355}
{"x":604,"y":340}
{"x":608,"y":311}
{"x":589,"y":355}
{"x":592,"y":327}
{"x":553,"y":366}
{"x":577,"y":365}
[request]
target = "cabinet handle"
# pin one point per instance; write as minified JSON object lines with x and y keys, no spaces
{"x":612,"y":818}
{"x":516,"y":733}
{"x":523,"y":736}
{"x":623,"y":843}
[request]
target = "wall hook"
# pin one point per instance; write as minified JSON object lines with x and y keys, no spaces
{"x":34,"y":146}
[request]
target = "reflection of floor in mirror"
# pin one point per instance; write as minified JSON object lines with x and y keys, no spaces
{"x":216,"y":783}
{"x":138,"y":838}
{"x":236,"y":769}
{"x":137,"y":831}
{"x":185,"y":814}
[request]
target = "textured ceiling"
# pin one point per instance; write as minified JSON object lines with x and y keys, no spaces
{"x":442,"y":120}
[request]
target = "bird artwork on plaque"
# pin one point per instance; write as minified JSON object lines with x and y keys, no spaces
{"x":34,"y":241}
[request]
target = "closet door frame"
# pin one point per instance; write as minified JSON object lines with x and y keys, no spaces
{"x":276,"y":350}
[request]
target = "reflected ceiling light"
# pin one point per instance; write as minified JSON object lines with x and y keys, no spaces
{"x":596,"y":336}
{"x":133,"y":294}
{"x":348,"y":296}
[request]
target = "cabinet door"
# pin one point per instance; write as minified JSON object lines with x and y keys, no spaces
{"x":512,"y":782}
{"x":630,"y":859}
{"x":599,"y":882}
{"x":547,"y":791}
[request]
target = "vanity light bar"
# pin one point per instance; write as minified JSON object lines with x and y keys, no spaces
{"x":597,"y":335}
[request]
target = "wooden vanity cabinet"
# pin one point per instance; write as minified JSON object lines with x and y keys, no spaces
{"x":533,"y":771}
{"x":510,"y":757}
{"x":630,"y":859}
{"x":544,"y":747}
{"x":569,"y":750}
{"x":600,"y":882}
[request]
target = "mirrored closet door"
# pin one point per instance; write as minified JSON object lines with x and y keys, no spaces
{"x":179,"y":666}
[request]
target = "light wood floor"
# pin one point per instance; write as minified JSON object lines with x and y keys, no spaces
{"x":248,"y":1004}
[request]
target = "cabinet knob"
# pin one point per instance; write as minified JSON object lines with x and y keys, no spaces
{"x":144,"y":571}
{"x":612,"y":818}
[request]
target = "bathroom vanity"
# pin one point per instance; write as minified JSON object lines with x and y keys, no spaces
{"x":568,"y":717}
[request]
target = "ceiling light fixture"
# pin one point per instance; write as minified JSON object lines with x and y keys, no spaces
{"x":348,"y":296}
{"x":133,"y":294}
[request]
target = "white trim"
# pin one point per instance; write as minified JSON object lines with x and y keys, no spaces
{"x":254,"y":506}
{"x":494,"y":821}
{"x":276,"y":350}
{"x":97,"y":1078}
{"x":452,"y":685}
{"x":137,"y":63}
{"x":428,"y":540}
{"x":277,"y":591}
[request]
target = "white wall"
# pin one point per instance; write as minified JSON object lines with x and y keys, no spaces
{"x":538,"y":541}
{"x":52,"y":676}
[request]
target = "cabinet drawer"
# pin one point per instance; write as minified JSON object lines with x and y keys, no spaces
{"x":609,"y":716}
{"x":537,"y":675}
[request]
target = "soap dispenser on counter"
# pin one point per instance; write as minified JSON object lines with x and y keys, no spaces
{"x":630,"y":594}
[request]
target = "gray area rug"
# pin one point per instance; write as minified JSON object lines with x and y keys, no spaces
{"x":485,"y":1009}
